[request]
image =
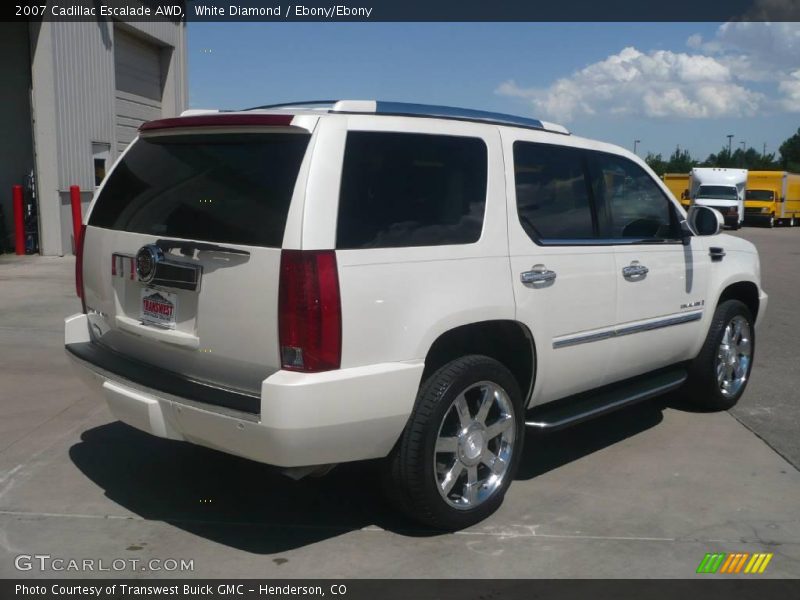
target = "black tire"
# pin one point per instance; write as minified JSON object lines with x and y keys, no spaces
{"x":410,"y":478}
{"x":702,"y":386}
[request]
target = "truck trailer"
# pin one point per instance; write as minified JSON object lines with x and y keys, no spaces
{"x":678,"y":184}
{"x":772,"y":198}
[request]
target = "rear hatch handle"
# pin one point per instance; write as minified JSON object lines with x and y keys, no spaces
{"x":189,"y":248}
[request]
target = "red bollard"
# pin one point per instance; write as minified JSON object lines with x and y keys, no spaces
{"x":77,"y":219}
{"x":19,"y":221}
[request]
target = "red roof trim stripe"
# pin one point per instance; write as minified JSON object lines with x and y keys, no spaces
{"x":217,"y":120}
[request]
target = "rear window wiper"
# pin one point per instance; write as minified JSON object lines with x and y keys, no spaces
{"x":189,"y":248}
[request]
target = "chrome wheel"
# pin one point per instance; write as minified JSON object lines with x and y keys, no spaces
{"x":474,"y":445}
{"x":733,"y":356}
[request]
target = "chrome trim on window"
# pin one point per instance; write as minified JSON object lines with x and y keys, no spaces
{"x":619,"y":331}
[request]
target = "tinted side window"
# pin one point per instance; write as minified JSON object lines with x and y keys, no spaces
{"x":552,"y":195}
{"x":634,"y":206}
{"x":403,"y":189}
{"x":222,"y":187}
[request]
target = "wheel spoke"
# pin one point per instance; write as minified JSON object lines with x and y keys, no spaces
{"x":739,"y":370}
{"x":498,"y":427}
{"x":451,"y":477}
{"x":494,"y":462}
{"x":471,"y":489}
{"x":486,"y":404}
{"x":462,"y":409}
{"x":744,"y":346}
{"x":446,"y":444}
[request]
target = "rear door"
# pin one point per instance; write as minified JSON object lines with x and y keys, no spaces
{"x":182,"y":249}
{"x":563,"y":276}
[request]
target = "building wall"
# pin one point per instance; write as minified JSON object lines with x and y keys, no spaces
{"x":75,"y":88}
{"x":16,"y":143}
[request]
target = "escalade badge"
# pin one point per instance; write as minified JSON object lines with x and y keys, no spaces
{"x":147,"y":258}
{"x":693,"y":304}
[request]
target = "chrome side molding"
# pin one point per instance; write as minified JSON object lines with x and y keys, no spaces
{"x":595,"y":336}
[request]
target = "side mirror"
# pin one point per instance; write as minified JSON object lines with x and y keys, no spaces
{"x":704,"y":220}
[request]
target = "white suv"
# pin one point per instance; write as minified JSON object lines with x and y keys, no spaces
{"x":305,"y":285}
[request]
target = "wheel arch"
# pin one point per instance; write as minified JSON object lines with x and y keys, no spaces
{"x":744,"y":291}
{"x":506,"y":340}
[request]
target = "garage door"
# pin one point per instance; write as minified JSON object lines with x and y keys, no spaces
{"x":137,"y":65}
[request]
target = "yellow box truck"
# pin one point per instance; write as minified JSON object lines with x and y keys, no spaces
{"x":772,"y":198}
{"x":678,"y":184}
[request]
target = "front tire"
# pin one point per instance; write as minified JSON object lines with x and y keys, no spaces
{"x":718,"y":375}
{"x":461,"y":447}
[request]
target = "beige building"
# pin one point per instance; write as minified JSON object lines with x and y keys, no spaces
{"x":73,"y":96}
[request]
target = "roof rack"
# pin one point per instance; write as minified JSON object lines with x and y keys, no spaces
{"x":408,"y":109}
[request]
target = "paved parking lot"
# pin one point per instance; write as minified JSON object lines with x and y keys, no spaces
{"x":642,"y":493}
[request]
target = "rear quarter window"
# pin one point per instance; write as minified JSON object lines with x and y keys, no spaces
{"x":408,"y":189}
{"x":233,"y":188}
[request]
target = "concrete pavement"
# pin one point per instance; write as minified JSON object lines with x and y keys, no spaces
{"x":641,"y":493}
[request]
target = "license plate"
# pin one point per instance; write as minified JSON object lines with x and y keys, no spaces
{"x":159,"y":308}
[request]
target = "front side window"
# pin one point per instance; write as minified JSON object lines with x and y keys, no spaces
{"x":553,"y":200}
{"x":632,"y":204}
{"x":409,"y":189}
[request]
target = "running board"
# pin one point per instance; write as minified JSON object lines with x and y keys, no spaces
{"x":581,"y":407}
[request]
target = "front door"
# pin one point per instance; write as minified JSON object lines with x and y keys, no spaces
{"x":662,"y":283}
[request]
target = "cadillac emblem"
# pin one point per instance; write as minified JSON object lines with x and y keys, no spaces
{"x":147,"y":258}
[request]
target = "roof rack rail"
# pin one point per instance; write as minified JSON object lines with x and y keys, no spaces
{"x":304,"y":104}
{"x":408,"y":109}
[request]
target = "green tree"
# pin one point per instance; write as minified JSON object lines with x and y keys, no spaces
{"x":656,"y":162}
{"x":742,"y":159}
{"x":723,"y":158}
{"x":790,"y":153}
{"x":680,"y":161}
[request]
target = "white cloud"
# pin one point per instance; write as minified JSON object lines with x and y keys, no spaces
{"x":790,"y":89}
{"x":695,"y":41}
{"x":754,"y":51}
{"x":654,"y":84}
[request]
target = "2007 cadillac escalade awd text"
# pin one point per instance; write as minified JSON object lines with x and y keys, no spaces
{"x":305,"y":285}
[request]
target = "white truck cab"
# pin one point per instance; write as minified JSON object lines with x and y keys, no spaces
{"x":722,"y":189}
{"x":305,"y":285}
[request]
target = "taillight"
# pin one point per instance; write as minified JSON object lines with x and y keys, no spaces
{"x":309,"y":311}
{"x":79,"y":267}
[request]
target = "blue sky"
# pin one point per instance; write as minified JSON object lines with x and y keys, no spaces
{"x":666,"y":84}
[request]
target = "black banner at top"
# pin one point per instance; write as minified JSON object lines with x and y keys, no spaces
{"x":402,"y":10}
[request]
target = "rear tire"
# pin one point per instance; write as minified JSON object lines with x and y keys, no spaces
{"x":461,"y":447}
{"x":719,"y":374}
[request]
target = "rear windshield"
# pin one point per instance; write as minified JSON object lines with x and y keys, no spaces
{"x":232,"y":188}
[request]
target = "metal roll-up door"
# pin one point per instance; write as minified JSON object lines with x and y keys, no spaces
{"x":137,"y":65}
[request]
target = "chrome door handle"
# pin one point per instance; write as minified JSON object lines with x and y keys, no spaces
{"x":634,"y":271}
{"x":537,"y":274}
